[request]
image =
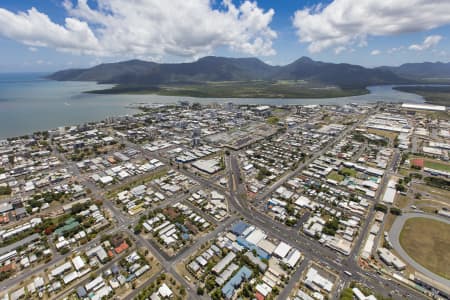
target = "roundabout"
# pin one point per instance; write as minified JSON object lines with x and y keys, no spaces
{"x":422,"y":241}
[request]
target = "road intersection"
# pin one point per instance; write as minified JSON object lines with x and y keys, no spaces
{"x":239,"y":207}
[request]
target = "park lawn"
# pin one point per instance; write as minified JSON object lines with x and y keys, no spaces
{"x":437,"y":165}
{"x":427,"y":241}
{"x":273,"y":120}
{"x":349,"y":171}
{"x":335,"y":176}
{"x":384,"y":133}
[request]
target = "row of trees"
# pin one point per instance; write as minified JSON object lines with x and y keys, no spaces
{"x":438,"y":182}
{"x":383,"y":208}
{"x":5,"y":190}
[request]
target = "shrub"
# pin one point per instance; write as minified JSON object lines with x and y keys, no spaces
{"x":200,"y":291}
{"x":395,"y":211}
{"x":380,"y":207}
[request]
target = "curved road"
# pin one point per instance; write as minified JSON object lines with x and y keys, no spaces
{"x":394,"y":236}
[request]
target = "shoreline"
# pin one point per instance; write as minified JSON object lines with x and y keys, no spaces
{"x":53,"y":104}
{"x":433,"y":94}
{"x":236,"y":90}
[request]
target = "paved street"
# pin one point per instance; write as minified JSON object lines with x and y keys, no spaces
{"x":309,"y":247}
{"x":239,"y":207}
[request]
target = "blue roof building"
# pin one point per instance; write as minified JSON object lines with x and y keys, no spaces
{"x":239,"y":227}
{"x":229,"y":288}
{"x":249,"y":246}
{"x":81,"y":292}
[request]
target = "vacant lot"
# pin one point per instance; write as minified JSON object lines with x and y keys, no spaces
{"x":402,"y":201}
{"x":335,"y":176}
{"x":441,"y":194}
{"x":384,"y":133}
{"x":427,"y":242}
{"x":430,"y":205}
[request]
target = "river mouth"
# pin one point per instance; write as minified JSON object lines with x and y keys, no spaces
{"x":32,"y":103}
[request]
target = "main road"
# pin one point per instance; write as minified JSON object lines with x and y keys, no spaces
{"x":239,"y":207}
{"x":309,"y":247}
{"x":311,"y":250}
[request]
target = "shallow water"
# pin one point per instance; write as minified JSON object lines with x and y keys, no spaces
{"x":29,"y":103}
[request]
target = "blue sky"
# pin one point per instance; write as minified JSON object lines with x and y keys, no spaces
{"x":58,"y":34}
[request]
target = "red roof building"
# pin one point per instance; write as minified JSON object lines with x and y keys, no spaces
{"x":8,"y":267}
{"x":122,"y":247}
{"x":417,"y":162}
{"x":258,"y":296}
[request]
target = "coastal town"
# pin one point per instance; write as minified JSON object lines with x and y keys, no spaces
{"x":230,"y":201}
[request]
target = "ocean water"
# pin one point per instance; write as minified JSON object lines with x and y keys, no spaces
{"x":29,"y":103}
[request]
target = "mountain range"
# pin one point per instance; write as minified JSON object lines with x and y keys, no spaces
{"x":213,"y":68}
{"x":426,"y":71}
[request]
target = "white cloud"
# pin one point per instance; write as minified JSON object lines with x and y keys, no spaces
{"x":348,"y":22}
{"x":428,"y":42}
{"x":395,"y":49}
{"x":43,"y":62}
{"x":34,"y":28}
{"x":339,"y":50}
{"x":375,"y":52}
{"x":32,"y":49}
{"x":443,"y":53}
{"x":146,"y":28}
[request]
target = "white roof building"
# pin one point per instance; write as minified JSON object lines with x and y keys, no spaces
{"x":389,"y":194}
{"x":61,"y":269}
{"x":92,"y":284}
{"x":18,"y":294}
{"x":423,"y":106}
{"x":165,"y":291}
{"x":267,"y":246}
{"x":313,"y":276}
{"x":292,"y":258}
{"x":78,"y":263}
{"x":282,"y":250}
{"x":263,"y":289}
{"x":256,"y":236}
{"x":218,"y":268}
{"x":70,"y":277}
{"x":106,"y":179}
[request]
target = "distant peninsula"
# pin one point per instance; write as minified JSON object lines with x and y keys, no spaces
{"x":238,"y":89}
{"x":223,"y":77}
{"x":438,"y":95}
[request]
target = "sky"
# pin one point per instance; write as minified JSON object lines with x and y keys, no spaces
{"x":50,"y":35}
